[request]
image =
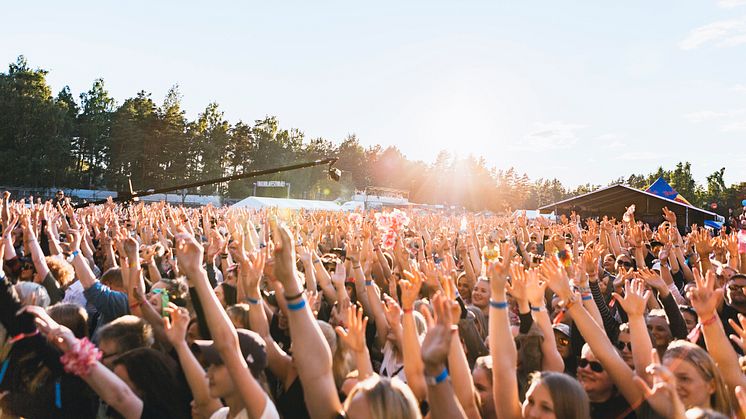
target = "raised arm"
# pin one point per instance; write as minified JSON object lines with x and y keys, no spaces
{"x":189,"y":252}
{"x":413,"y":367}
{"x":435,"y":349}
{"x":502,"y":345}
{"x":634,"y":303}
{"x":705,"y":299}
{"x":314,"y":362}
{"x":176,"y":329}
{"x":621,"y":374}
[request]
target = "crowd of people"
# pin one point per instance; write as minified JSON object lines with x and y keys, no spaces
{"x":154,"y":311}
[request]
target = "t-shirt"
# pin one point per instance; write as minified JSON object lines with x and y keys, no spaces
{"x":741,"y":241}
{"x":615,"y":407}
{"x":270,"y":412}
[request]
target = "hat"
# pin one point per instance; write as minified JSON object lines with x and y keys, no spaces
{"x":252,"y":346}
{"x":562,"y":328}
{"x":656,"y":265}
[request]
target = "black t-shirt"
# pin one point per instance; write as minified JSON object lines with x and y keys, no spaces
{"x":615,"y":407}
{"x":730,"y":313}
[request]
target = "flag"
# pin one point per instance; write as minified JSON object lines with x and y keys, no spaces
{"x":661,"y":188}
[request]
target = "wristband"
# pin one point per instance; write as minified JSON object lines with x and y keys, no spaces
{"x":317,"y":261}
{"x":252,"y":301}
{"x":368,"y":283}
{"x":407,"y":310}
{"x":294,"y":297}
{"x":498,"y":304}
{"x":538,"y":309}
{"x":81,"y":361}
{"x":75,"y":253}
{"x":442,"y":377}
{"x":586,"y":297}
{"x":356,"y":267}
{"x":297,"y":306}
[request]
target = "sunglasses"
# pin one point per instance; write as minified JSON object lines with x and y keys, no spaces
{"x":625,"y":263}
{"x":621,"y":345}
{"x":595,"y":366}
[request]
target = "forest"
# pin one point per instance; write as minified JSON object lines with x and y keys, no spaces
{"x":92,"y":141}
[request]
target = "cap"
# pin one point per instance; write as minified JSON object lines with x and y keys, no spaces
{"x":656,"y":266}
{"x":252,"y":346}
{"x":562,"y":328}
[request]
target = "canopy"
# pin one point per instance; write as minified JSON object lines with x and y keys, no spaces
{"x":613,"y":200}
{"x":258,"y":202}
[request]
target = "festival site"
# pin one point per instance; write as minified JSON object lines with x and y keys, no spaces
{"x":384,"y":210}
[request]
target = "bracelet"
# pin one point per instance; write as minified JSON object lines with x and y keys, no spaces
{"x":81,"y":361}
{"x":498,"y":304}
{"x":75,"y":253}
{"x":538,"y":309}
{"x":368,"y":283}
{"x":356,"y":267}
{"x":317,"y":261}
{"x":252,"y":301}
{"x":407,"y":310}
{"x":224,"y":256}
{"x":294,"y":297}
{"x":443,"y":375}
{"x":709,"y":321}
{"x":297,"y":306}
{"x":586,"y":297}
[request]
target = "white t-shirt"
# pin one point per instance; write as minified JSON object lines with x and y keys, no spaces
{"x":270,"y":412}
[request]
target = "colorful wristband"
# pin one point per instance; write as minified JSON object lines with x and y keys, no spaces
{"x":498,"y":304}
{"x":586,"y":297}
{"x":368,"y":283}
{"x":76,"y":253}
{"x":538,"y":308}
{"x":297,"y":306}
{"x":443,"y":375}
{"x":252,"y":301}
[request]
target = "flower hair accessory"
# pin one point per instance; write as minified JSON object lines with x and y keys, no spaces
{"x":81,"y":360}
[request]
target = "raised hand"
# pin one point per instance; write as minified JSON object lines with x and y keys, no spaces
{"x":410,"y":289}
{"x":517,"y":286}
{"x":662,"y":397}
{"x":354,"y":335}
{"x":740,"y":328}
{"x":670,"y":216}
{"x":556,"y":277}
{"x":437,"y":341}
{"x":189,"y":252}
{"x":635,"y":297}
{"x":176,"y":326}
{"x":499,"y":271}
{"x":284,"y":260}
{"x":654,"y":280}
{"x":704,"y":297}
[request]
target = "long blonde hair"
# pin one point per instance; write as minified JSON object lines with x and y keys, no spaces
{"x":388,"y":398}
{"x":720,"y":400}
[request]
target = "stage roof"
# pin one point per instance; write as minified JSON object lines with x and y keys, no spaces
{"x":613,"y":201}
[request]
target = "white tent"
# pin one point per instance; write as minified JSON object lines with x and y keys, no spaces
{"x":258,"y":202}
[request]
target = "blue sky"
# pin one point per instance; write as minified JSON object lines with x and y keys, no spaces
{"x":582,"y":91}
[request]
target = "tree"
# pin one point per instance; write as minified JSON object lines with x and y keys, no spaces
{"x":91,"y":146}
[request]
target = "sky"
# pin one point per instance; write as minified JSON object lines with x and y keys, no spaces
{"x":582,"y":91}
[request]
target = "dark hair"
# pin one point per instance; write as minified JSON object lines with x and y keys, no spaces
{"x":112,"y":278}
{"x":241,"y":312}
{"x":158,"y":381}
{"x":71,"y":315}
{"x":129,"y":332}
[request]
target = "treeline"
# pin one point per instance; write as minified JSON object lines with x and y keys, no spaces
{"x":93,"y":142}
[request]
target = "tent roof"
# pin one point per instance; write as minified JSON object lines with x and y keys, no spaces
{"x":609,"y":200}
{"x":265,"y":202}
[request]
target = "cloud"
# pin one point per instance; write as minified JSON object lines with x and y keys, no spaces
{"x":707,"y":115}
{"x":729,"y":121}
{"x":551,"y":136}
{"x":723,"y":33}
{"x":638,"y":155}
{"x":731,"y":3}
